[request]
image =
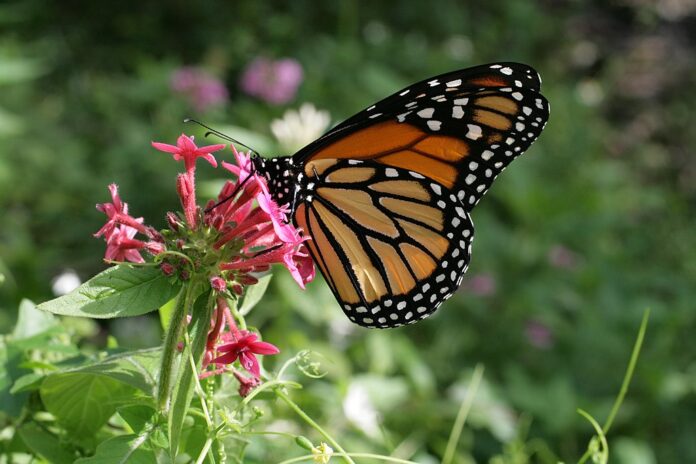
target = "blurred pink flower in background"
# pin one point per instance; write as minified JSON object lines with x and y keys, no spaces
{"x":538,"y":334}
{"x":201,"y":89}
{"x":562,"y":258}
{"x":274,"y":81}
{"x":480,"y":284}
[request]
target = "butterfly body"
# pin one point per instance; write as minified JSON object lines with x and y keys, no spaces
{"x":385,"y":196}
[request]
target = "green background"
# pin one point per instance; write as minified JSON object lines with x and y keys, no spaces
{"x":592,"y":226}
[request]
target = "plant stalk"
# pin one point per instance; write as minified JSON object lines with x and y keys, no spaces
{"x":181,"y":309}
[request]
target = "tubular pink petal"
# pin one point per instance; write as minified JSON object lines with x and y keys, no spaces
{"x":165,"y":147}
{"x":211,"y":148}
{"x":250,"y":363}
{"x":210,"y":158}
{"x":228,"y":358}
{"x":264,"y":348}
{"x":186,"y":143}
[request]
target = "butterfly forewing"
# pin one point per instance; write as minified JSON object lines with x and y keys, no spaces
{"x":460,"y":129}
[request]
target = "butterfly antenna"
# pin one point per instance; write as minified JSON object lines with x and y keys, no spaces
{"x":234,"y":193}
{"x":220,"y":134}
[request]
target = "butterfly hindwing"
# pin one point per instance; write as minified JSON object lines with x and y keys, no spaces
{"x":391,"y":244}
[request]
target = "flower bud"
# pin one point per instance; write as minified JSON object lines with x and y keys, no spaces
{"x":303,"y":442}
{"x":173,"y":221}
{"x":167,"y":268}
{"x":247,"y":279}
{"x":218,"y":284}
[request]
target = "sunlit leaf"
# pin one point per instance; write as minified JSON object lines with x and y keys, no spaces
{"x":121,"y":450}
{"x":254,"y":293}
{"x":83,"y":402}
{"x":31,"y":321}
{"x":119,"y":291}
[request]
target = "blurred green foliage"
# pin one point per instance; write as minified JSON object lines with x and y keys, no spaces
{"x":584,"y":232}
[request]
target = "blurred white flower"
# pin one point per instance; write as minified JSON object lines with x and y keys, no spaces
{"x":360,"y":411}
{"x":590,"y":92}
{"x":322,"y":453}
{"x":459,"y":47}
{"x":297,"y":128}
{"x":65,"y":282}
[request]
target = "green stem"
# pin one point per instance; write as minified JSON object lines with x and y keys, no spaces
{"x":183,"y":303}
{"x":266,"y":386}
{"x":313,"y":424}
{"x":378,"y":457}
{"x":285,"y":366}
{"x":462,"y":414}
{"x":197,"y":386}
{"x":127,"y":263}
{"x":604,"y":449}
{"x":629,"y":372}
{"x":624,"y":385}
{"x":164,"y":254}
{"x":241,"y":322}
{"x":204,"y":451}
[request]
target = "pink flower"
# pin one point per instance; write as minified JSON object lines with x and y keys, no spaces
{"x":187,"y":150}
{"x":245,"y":348}
{"x":285,"y":231}
{"x":121,"y":246}
{"x":300,"y":265}
{"x":275,"y":82}
{"x":481,"y":285}
{"x":246,"y":384}
{"x":538,"y":334}
{"x":562,"y":258}
{"x":202,"y":89}
{"x":117,"y":213}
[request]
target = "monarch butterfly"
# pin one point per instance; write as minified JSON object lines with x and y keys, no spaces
{"x":385,"y":196}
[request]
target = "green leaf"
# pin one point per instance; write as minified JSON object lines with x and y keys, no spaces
{"x":253,"y":294}
{"x":26,"y":383}
{"x":165,"y":313}
{"x":45,"y":444}
{"x":137,"y":416}
{"x":133,"y":368}
{"x":31,"y":321}
{"x":184,"y":386}
{"x":120,"y":291}
{"x":81,"y":402}
{"x":84,"y":398}
{"x":121,"y":450}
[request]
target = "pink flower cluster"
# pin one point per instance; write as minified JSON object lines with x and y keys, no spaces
{"x":120,"y":229}
{"x":200,"y":88}
{"x":244,"y":232}
{"x":274,"y":81}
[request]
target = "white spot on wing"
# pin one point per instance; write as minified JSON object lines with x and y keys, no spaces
{"x":434,"y":125}
{"x":426,"y":113}
{"x":474,"y":132}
